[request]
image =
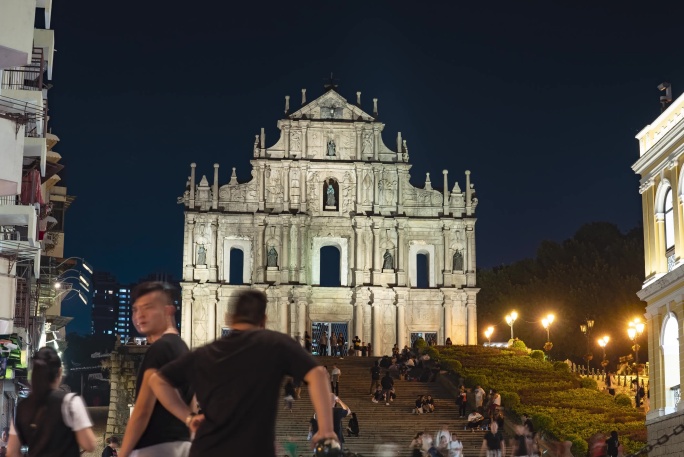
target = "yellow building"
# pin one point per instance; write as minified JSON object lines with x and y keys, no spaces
{"x":661,"y":167}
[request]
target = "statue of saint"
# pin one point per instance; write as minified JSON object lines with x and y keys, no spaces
{"x":272,"y":258}
{"x":388,"y":263}
{"x":458,"y":261}
{"x":331,"y":147}
{"x":201,"y":255}
{"x":330,"y":200}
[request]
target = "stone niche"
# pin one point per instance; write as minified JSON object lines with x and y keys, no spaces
{"x":124,"y":364}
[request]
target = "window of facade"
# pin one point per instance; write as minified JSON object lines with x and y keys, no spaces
{"x":422,"y":271}
{"x":669,"y":222}
{"x":237,"y":260}
{"x":330,"y":267}
{"x":670,"y":348}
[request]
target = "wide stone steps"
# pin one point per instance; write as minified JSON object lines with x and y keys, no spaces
{"x":378,"y":423}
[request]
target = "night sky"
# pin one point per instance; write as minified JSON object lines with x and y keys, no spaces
{"x":540,"y":100}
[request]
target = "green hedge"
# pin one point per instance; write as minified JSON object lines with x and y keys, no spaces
{"x":537,"y":354}
{"x":560,"y":403}
{"x":623,"y":400}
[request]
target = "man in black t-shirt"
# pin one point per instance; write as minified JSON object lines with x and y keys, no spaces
{"x":152,"y":431}
{"x":237,"y":380}
{"x":375,"y":377}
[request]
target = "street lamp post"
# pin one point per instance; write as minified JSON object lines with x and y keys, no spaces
{"x":546,"y":323}
{"x":586,"y":330}
{"x":635,"y":329}
{"x":510,"y":320}
{"x":488,"y":335}
{"x":603,"y":342}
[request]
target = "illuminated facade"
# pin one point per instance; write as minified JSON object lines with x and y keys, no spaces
{"x":661,"y":166}
{"x":330,"y":227}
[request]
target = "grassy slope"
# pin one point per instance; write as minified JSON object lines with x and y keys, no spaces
{"x":551,"y":394}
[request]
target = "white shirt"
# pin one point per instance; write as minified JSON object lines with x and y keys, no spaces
{"x":74,"y":414}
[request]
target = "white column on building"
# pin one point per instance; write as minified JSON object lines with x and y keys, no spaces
{"x":189,"y":240}
{"x":401,"y":258}
{"x":358,"y":129}
{"x":286,"y":184}
{"x":193,"y":166}
{"x":259,"y":252}
{"x":447,"y":263}
{"x":215,"y":190}
{"x":294,"y":250}
{"x":285,"y":261}
{"x":377,"y":329}
{"x":376,"y":143}
{"x":376,"y":187}
{"x":305,"y":139}
{"x":284,"y":313}
{"x":301,"y":319}
{"x":470,"y":238}
{"x":302,"y":186}
{"x":358,"y":319}
{"x":359,"y":184}
{"x":303,"y":252}
{"x":401,"y":326}
{"x":447,"y":320}
{"x":472,"y":319}
{"x":377,"y":265}
{"x":286,"y":140}
{"x":261,"y":187}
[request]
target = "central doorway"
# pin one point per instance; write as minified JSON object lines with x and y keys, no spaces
{"x":330,"y":328}
{"x":427,"y":336}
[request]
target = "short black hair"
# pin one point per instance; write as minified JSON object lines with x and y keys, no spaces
{"x":249,"y":308}
{"x":148,"y":287}
{"x":113,"y":440}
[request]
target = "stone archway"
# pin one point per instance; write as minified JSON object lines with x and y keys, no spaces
{"x":340,"y":243}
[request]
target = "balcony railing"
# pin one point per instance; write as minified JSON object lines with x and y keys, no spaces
{"x":28,"y":77}
{"x":9,"y":200}
{"x":22,"y":309}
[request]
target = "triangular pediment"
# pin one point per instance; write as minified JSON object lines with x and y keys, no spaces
{"x":331,"y":106}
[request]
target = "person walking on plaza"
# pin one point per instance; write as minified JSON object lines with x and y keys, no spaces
{"x":375,"y":377}
{"x":237,"y":380}
{"x":152,"y":431}
{"x":335,"y":380}
{"x":323,"y":344}
{"x":493,"y":444}
{"x":50,"y":422}
{"x":387,"y":387}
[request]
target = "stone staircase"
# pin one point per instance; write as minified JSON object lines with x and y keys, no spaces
{"x":378,"y":423}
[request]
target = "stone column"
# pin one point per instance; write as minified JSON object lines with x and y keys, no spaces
{"x":445,"y":202}
{"x":470,"y":238}
{"x":302,"y":188}
{"x":359,"y":185}
{"x":359,"y":139}
{"x":189,"y":242}
{"x":286,"y":140}
{"x":377,"y":329}
{"x":186,"y":313}
{"x":400,"y":190}
{"x":261,"y":186}
{"x":358,"y":319}
{"x":377,"y":263}
{"x":660,"y":259}
{"x":215,"y":190}
{"x":376,"y":143}
{"x":401,"y":326}
{"x":301,"y":318}
{"x":285,"y":250}
{"x":676,"y":210}
{"x":305,"y":139}
{"x":193,"y":166}
{"x":294,"y":247}
{"x":284,"y":314}
{"x":447,"y":321}
{"x":472,"y":319}
{"x":448,"y":263}
{"x":304,"y":252}
{"x":259,"y":254}
{"x":286,"y":185}
{"x":376,"y":187}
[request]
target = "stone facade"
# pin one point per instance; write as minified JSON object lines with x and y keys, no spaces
{"x":329,"y":180}
{"x":661,"y":168}
{"x":124,"y":364}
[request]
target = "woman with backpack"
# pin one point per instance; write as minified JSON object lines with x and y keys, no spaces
{"x":50,"y":422}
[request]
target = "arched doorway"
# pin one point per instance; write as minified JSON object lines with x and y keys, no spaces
{"x":330,"y":266}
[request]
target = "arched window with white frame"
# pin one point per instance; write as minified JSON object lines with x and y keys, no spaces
{"x":669,"y":222}
{"x":669,"y":345}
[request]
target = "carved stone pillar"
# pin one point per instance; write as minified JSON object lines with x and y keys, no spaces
{"x":294,"y":248}
{"x":303,"y":190}
{"x":283,"y":314}
{"x":305,"y":140}
{"x":213,"y":251}
{"x":470,"y":276}
{"x":259,"y":254}
{"x":377,"y":329}
{"x":401,"y":178}
{"x":286,"y":185}
{"x":359,"y":186}
{"x":359,"y":138}
{"x":186,"y":312}
{"x":377,"y":263}
{"x":286,"y":140}
{"x":285,"y":260}
{"x":261,"y":186}
{"x":376,"y":143}
{"x":471,"y":309}
{"x":447,"y":263}
{"x":189,"y":251}
{"x":301,"y":319}
{"x":376,"y":187}
{"x":358,"y":319}
{"x":215,"y":188}
{"x":401,"y":326}
{"x":448,"y":309}
{"x":303,"y":252}
{"x":193,"y":166}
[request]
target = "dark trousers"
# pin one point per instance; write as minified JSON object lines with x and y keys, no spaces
{"x":335,"y":387}
{"x":462,"y":409}
{"x":322,"y":350}
{"x":375,"y":383}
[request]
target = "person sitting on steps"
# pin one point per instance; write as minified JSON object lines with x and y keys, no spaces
{"x":353,"y":426}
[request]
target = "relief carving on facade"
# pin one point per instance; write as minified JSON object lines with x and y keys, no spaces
{"x":367,"y":143}
{"x":296,"y":141}
{"x":274,"y":185}
{"x":294,"y":185}
{"x":367,"y":188}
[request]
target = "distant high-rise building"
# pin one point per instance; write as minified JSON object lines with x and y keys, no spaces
{"x":112,"y":303}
